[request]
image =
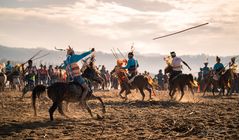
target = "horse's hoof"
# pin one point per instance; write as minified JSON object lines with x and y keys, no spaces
{"x":98,"y":117}
{"x":104,"y":111}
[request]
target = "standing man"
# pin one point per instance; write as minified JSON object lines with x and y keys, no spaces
{"x":160,"y":78}
{"x":73,"y":69}
{"x":30,"y":75}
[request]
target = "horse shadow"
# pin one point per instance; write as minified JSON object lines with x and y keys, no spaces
{"x":9,"y":129}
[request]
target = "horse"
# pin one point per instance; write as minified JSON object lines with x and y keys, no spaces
{"x":179,"y":82}
{"x":210,"y":80}
{"x":139,"y":82}
{"x":61,"y":91}
{"x":91,"y":73}
{"x":224,"y":82}
{"x":3,"y":80}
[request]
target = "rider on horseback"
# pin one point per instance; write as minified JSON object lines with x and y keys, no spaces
{"x":218,"y":68}
{"x":73,"y":69}
{"x":177,"y":67}
{"x":233,"y":67}
{"x":9,"y":68}
{"x":132,"y":65}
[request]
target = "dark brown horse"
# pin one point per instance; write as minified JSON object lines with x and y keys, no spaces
{"x":139,"y":82}
{"x":224,"y":81}
{"x":179,"y":82}
{"x":59,"y":92}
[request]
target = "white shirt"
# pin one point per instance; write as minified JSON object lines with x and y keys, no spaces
{"x":176,"y":63}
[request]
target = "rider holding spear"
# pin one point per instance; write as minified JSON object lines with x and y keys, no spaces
{"x":73,"y":69}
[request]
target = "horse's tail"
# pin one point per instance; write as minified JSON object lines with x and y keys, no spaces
{"x":191,"y":80}
{"x":36,"y":92}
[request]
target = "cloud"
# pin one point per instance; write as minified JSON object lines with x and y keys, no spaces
{"x":124,"y":21}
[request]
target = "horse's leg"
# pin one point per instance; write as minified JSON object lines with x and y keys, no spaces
{"x":67,"y":106}
{"x":142,"y":93}
{"x":150,"y":92}
{"x":60,"y":110}
{"x":92,"y":97}
{"x":182,"y":93}
{"x":205,"y":88}
{"x":52,"y":109}
{"x":88,"y":109}
{"x":173,"y":93}
{"x":170,"y":93}
{"x":25,"y":90}
{"x":120,"y":93}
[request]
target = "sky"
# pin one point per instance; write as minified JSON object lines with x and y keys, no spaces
{"x":107,"y":24}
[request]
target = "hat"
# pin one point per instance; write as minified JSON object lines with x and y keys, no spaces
{"x":70,"y":50}
{"x":131,"y":53}
{"x":172,"y":53}
{"x":29,"y":61}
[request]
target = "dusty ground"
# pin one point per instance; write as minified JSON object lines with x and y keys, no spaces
{"x":193,"y":118}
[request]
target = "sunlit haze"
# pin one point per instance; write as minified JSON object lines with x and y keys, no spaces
{"x":104,"y":24}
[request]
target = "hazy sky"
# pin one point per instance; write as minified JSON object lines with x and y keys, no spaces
{"x":104,"y":24}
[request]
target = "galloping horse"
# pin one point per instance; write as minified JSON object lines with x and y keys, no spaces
{"x":59,"y":92}
{"x":179,"y":81}
{"x":139,"y":82}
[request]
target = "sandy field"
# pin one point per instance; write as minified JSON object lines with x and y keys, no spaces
{"x":195,"y":117}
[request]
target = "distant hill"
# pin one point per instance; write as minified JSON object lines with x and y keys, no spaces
{"x":151,"y":63}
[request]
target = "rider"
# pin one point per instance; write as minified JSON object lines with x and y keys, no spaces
{"x":122,"y":76}
{"x":73,"y":69}
{"x":218,"y":67}
{"x":177,"y":67}
{"x":132,"y":65}
{"x":9,"y":68}
{"x":233,"y":67}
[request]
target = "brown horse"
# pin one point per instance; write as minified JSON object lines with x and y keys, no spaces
{"x":225,"y":81}
{"x":139,"y":82}
{"x":179,"y":82}
{"x":59,"y":92}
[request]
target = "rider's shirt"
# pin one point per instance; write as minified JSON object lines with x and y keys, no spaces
{"x":205,"y":71}
{"x":176,"y":63}
{"x":218,"y":67}
{"x":9,"y":68}
{"x":131,"y":65}
{"x":31,"y":72}
{"x":71,"y":66}
{"x":121,"y":73}
{"x":233,"y":67}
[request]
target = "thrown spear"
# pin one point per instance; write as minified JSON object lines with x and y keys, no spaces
{"x":180,"y":31}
